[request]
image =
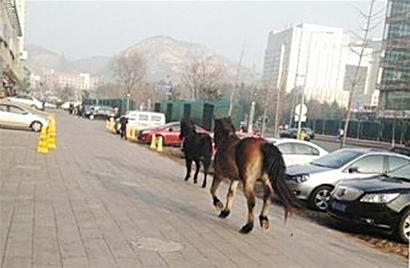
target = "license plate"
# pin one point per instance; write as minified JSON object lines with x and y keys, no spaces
{"x":339,"y":207}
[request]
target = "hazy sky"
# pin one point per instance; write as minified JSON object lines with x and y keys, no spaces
{"x":83,"y":29}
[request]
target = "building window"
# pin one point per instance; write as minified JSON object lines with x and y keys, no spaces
{"x":397,"y":100}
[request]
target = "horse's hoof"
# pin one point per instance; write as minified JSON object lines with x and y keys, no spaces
{"x":264,"y":222}
{"x":224,"y":213}
{"x":186,"y":178}
{"x":218,"y":204}
{"x":195,"y":181}
{"x":246,"y":228}
{"x":203,"y":185}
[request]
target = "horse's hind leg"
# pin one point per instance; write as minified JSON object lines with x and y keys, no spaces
{"x":248,"y":189}
{"x":207,"y":162}
{"x":267,"y":192}
{"x":215,"y":183}
{"x":188,"y":163}
{"x":198,"y":166}
{"x":229,"y":199}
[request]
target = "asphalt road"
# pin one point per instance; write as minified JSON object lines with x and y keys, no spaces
{"x":330,"y":146}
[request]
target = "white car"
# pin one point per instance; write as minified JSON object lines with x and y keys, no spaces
{"x":142,"y":120}
{"x":297,"y":152}
{"x":28,"y":100}
{"x":17,"y":117}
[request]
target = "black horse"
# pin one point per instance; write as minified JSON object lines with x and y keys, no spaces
{"x":197,"y":147}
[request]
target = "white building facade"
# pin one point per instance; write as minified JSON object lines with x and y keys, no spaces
{"x":308,"y":57}
{"x":12,"y":53}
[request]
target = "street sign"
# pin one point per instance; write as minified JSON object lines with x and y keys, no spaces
{"x":304,"y":118}
{"x":304,"y":110}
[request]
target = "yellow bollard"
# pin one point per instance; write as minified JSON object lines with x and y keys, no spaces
{"x":127,"y":133}
{"x":132,"y":134}
{"x":159,"y":146}
{"x":153,"y":142}
{"x":42,"y":146}
{"x":51,"y":134}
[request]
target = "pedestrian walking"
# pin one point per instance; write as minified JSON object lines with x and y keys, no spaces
{"x":340,"y":134}
{"x":123,"y":127}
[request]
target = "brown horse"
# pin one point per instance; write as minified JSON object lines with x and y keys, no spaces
{"x":249,"y":160}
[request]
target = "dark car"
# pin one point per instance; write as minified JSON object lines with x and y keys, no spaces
{"x":100,"y":112}
{"x":381,"y":202}
{"x":293,"y":132}
{"x":401,"y":150}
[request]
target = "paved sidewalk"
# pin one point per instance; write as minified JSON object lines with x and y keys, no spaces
{"x":98,"y":201}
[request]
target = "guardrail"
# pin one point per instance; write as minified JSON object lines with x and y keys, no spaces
{"x":358,"y":142}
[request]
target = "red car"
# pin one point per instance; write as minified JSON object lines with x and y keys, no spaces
{"x":169,"y":133}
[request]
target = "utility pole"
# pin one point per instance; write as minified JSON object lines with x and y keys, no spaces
{"x":253,"y":104}
{"x":251,"y":116}
{"x":278,"y":90}
{"x":265,"y":108}
{"x":295,"y":83}
{"x":238,"y":70}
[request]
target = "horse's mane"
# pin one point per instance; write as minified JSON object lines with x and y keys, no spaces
{"x":224,"y":131}
{"x":224,"y":125}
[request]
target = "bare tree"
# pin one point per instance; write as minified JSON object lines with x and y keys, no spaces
{"x":203,"y":78}
{"x":66,"y":93}
{"x":368,"y":27}
{"x":238,"y":71}
{"x":130,"y":70}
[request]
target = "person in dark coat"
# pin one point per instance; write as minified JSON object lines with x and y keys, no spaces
{"x":123,"y":128}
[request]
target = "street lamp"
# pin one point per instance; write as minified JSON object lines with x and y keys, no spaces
{"x":302,"y":99}
{"x":128,"y":102}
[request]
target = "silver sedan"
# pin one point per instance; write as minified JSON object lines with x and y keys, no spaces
{"x":315,"y":181}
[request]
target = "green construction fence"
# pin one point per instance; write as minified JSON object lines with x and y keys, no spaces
{"x":201,"y":112}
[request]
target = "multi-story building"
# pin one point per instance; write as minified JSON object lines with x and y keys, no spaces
{"x":395,"y":79}
{"x":78,"y":82}
{"x":308,"y":57}
{"x":365,"y":83}
{"x":12,"y":53}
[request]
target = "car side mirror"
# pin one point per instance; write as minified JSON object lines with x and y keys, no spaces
{"x":353,"y":170}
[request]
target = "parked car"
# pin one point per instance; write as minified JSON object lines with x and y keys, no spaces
{"x":315,"y":181}
{"x":401,"y":150}
{"x":381,"y":201}
{"x":293,"y":132}
{"x":297,"y":152}
{"x":101,"y":112}
{"x":17,"y":117}
{"x":169,"y":132}
{"x":28,"y":100}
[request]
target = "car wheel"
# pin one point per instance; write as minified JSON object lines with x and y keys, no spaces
{"x":36,"y":126}
{"x":320,"y":197}
{"x":403,"y":230}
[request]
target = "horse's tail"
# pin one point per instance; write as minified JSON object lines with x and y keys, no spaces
{"x":274,"y":166}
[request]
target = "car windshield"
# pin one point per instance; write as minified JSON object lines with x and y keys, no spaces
{"x":402,"y":173}
{"x":336,"y":159}
{"x":169,"y":125}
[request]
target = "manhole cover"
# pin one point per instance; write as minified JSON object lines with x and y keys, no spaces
{"x":154,"y":244}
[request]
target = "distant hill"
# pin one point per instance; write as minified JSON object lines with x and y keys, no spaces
{"x":164,"y":56}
